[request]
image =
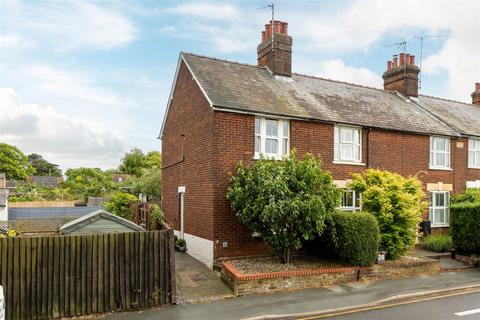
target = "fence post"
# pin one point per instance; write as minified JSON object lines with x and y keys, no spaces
{"x":171,"y":254}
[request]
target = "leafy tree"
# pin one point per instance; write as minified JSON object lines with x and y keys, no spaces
{"x":396,"y":202}
{"x":85,"y":182}
{"x":119,"y":205}
{"x":149,"y":183}
{"x":135,"y":161}
{"x":43,"y":167}
{"x":285,"y":201}
{"x":156,"y":216}
{"x":153,"y":159}
{"x":14,"y":163}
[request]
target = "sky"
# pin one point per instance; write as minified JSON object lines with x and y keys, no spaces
{"x":83,"y":82}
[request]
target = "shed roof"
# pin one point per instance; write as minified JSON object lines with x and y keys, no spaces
{"x":238,"y":87}
{"x":94,"y":216}
{"x":49,"y":212}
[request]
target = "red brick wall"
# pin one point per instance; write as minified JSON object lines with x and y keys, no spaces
{"x":188,"y":135}
{"x":404,"y":153}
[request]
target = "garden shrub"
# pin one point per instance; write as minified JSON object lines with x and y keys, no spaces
{"x":465,"y":226}
{"x":354,"y":238}
{"x":396,"y":202}
{"x":119,"y":205}
{"x":470,"y":195}
{"x":156,"y":216}
{"x":438,"y":242}
{"x":286,"y":201}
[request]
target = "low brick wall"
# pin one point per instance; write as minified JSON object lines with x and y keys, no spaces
{"x":243,"y":284}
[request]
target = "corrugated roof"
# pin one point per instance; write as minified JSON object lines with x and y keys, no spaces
{"x":252,"y":89}
{"x":49,"y":212}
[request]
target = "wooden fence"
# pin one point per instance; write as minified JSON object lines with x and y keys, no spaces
{"x":50,"y":277}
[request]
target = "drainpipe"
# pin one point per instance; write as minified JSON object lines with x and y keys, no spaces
{"x":368,"y":148}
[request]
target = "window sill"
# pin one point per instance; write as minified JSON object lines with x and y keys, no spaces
{"x":477,"y":168}
{"x":348,"y":163}
{"x":440,"y":168}
{"x":444,"y":225}
{"x":267,"y":157}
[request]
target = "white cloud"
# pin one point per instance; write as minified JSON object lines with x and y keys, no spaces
{"x":206,"y":10}
{"x":66,"y":140}
{"x":337,"y":70}
{"x":15,"y":42}
{"x":70,"y":83}
{"x":68,"y":25}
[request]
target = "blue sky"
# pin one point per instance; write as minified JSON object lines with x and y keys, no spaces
{"x":82,"y":82}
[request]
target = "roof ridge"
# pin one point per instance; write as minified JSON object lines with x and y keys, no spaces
{"x":340,"y":81}
{"x":223,"y":60}
{"x":445,"y":99}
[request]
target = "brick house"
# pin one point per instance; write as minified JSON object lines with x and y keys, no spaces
{"x":221,"y":112}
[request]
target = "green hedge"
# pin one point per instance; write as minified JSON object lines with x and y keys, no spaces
{"x":465,"y":226}
{"x":357,"y":237}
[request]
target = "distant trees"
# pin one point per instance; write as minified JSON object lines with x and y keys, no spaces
{"x":85,"y":182}
{"x":135,"y":161}
{"x":14,"y":163}
{"x":43,"y":167}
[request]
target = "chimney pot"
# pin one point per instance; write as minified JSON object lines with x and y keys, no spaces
{"x":412,"y":59}
{"x":395,"y":60}
{"x":476,"y":94}
{"x":407,"y":58}
{"x":389,"y":65}
{"x":477,"y":87}
{"x":402,"y":59}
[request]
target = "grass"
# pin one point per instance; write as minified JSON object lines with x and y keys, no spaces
{"x":438,"y":242}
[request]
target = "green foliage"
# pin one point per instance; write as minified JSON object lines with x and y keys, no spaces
{"x":285,"y":201}
{"x":180,"y":242}
{"x":438,"y":242}
{"x":43,"y":167}
{"x":85,"y":182}
{"x":465,"y":226}
{"x":135,"y":161}
{"x":14,"y":163}
{"x":396,"y":202}
{"x":119,"y":205}
{"x":470,"y":195}
{"x":149,"y":183}
{"x":156,"y":216}
{"x":356,"y":237}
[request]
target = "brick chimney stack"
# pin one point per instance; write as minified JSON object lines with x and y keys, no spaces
{"x":275,"y":50}
{"x":476,"y":94}
{"x":402,"y":75}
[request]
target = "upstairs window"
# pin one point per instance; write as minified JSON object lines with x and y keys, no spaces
{"x":347,"y":144}
{"x":439,"y":212}
{"x":439,"y":153}
{"x":474,"y":153}
{"x":351,"y":201}
{"x":271,"y":138}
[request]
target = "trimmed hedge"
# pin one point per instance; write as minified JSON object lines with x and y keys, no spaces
{"x":356,"y":237}
{"x":465,"y":226}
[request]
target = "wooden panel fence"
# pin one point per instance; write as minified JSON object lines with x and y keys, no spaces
{"x":51,"y":277}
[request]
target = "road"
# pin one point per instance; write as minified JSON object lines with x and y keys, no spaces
{"x":453,"y":306}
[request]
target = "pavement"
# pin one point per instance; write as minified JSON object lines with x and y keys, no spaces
{"x":310,"y":301}
{"x":198,"y":283}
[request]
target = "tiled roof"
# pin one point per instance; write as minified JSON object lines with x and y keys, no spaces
{"x":49,"y":212}
{"x":252,"y":89}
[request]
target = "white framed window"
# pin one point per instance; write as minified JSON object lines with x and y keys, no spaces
{"x":347,"y":144}
{"x":439,"y":153}
{"x":351,"y":200}
{"x":474,"y":153}
{"x":439,"y":212}
{"x":272,"y":138}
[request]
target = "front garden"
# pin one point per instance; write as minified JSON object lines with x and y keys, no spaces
{"x":292,"y":204}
